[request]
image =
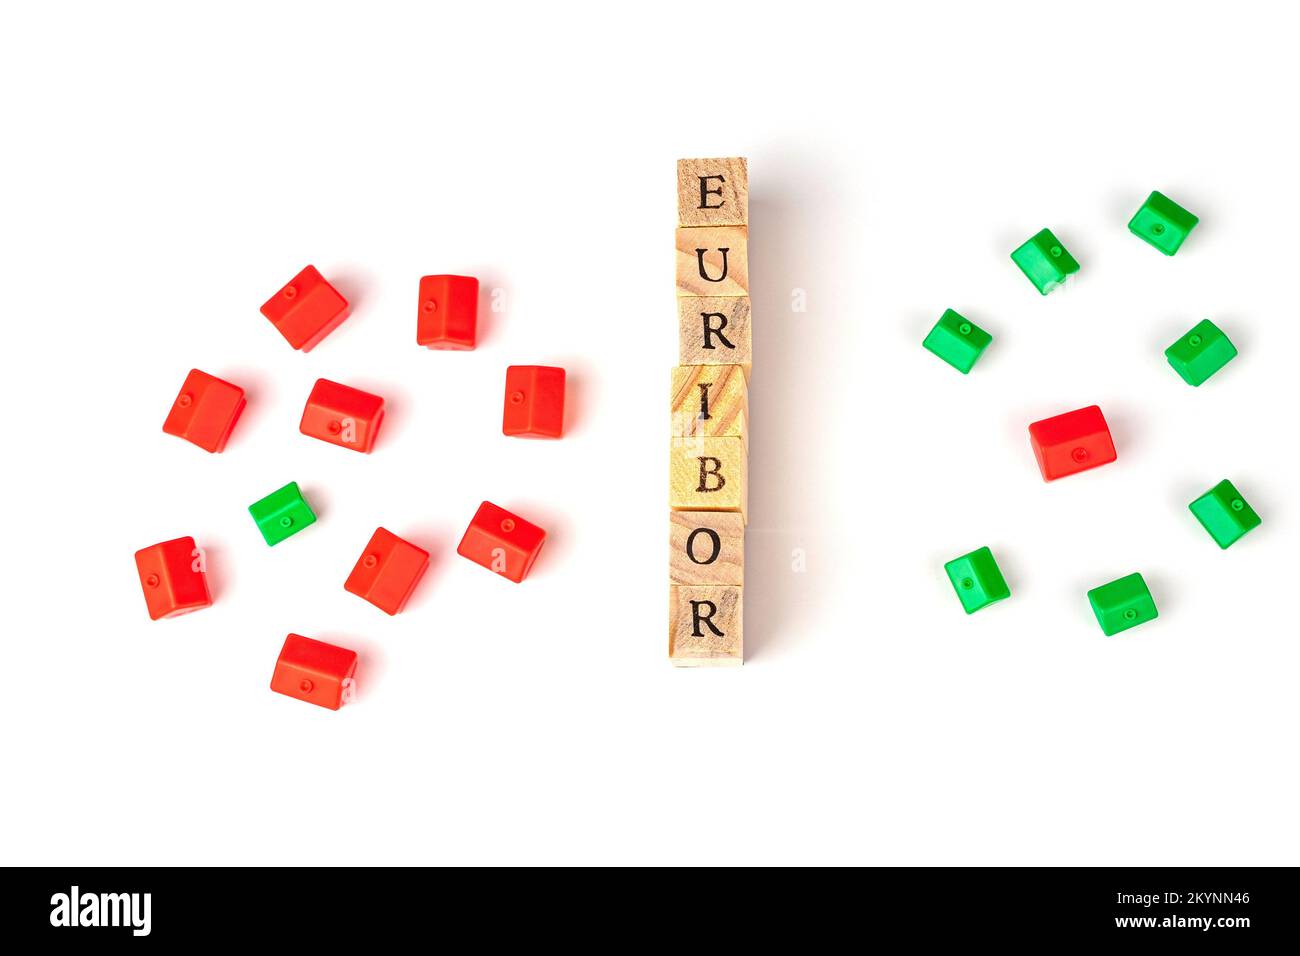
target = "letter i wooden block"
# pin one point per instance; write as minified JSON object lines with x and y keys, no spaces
{"x":709,"y":415}
{"x":710,"y":401}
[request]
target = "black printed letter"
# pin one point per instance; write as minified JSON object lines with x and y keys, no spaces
{"x":697,"y":618}
{"x":713,"y":536}
{"x":704,"y":401}
{"x":709,"y":331}
{"x":699,"y":254}
{"x":706,"y":192}
{"x":706,"y":474}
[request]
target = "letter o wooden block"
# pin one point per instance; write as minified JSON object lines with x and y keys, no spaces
{"x":706,"y":547}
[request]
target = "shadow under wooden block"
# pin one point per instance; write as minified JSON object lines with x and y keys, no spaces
{"x":706,"y":547}
{"x":713,"y":192}
{"x":713,"y":260}
{"x":708,"y":474}
{"x":710,"y":401}
{"x":705,"y":626}
{"x":714,"y":330}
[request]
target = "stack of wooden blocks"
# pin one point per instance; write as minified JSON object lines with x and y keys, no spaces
{"x":709,"y":479}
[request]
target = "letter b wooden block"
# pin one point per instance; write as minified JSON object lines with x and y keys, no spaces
{"x":704,"y":626}
{"x":708,"y":474}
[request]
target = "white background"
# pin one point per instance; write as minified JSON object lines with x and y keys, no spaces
{"x":167,"y":168}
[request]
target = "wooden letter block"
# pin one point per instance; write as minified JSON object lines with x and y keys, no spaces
{"x":708,"y":474}
{"x":710,"y":401}
{"x":713,"y":260}
{"x":714,"y":330}
{"x":706,"y":547}
{"x":713,"y":192}
{"x":704,"y":626}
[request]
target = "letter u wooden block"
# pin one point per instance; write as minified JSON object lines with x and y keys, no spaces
{"x":713,"y":261}
{"x":708,"y":474}
{"x":705,"y":626}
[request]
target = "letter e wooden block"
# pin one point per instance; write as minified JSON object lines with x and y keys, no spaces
{"x":714,"y":330}
{"x":706,"y":547}
{"x":705,"y":626}
{"x":708,"y":474}
{"x":713,"y":260}
{"x":713,"y":192}
{"x":710,"y":400}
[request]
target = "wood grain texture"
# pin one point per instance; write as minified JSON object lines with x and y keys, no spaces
{"x":706,"y":626}
{"x":708,"y":474}
{"x":724,"y":200}
{"x":713,"y":260}
{"x":706,"y":547}
{"x":714,"y":330}
{"x":709,"y":401}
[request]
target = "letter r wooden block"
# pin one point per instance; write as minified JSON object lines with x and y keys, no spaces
{"x":714,"y":330}
{"x":705,"y":626}
{"x":713,"y":192}
{"x":710,"y":401}
{"x":708,"y":474}
{"x":713,"y":260}
{"x":706,"y":547}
